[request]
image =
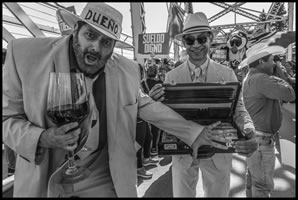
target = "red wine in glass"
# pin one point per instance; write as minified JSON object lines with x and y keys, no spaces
{"x":68,"y":102}
{"x":68,"y":113}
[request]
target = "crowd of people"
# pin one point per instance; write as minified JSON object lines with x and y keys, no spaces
{"x":126,"y":102}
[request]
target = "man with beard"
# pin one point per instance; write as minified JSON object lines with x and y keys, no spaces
{"x":196,"y":38}
{"x":115,"y":102}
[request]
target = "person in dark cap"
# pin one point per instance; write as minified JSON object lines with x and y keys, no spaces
{"x":147,"y":84}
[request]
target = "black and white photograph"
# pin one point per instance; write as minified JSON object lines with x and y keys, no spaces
{"x":149,"y":99}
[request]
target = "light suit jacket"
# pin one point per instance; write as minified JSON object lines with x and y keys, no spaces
{"x":215,"y":73}
{"x":25,"y":87}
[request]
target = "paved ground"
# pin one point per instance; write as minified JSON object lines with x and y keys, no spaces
{"x":161,"y":183}
{"x":284,"y":180}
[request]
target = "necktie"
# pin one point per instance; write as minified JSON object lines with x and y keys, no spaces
{"x":198,"y":75}
{"x":99,"y":93}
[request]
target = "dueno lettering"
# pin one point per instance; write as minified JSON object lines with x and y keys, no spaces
{"x":88,"y":15}
{"x":113,"y":26}
{"x":102,"y":20}
{"x":96,"y":18}
{"x":116,"y":29}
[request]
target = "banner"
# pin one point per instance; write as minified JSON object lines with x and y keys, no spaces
{"x":157,"y":43}
{"x":64,"y":28}
{"x":175,"y":22}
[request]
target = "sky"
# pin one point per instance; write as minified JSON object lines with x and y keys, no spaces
{"x":156,"y":14}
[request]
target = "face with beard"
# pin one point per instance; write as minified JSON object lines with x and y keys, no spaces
{"x":92,"y":49}
{"x":197,"y":46}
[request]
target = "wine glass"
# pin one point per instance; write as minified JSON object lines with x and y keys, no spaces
{"x":68,"y":102}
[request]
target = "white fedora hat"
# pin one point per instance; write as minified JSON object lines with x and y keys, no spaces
{"x":243,"y":64}
{"x":100,"y":16}
{"x":260,"y":50}
{"x":194,"y":23}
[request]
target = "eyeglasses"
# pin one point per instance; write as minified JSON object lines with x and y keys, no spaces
{"x":237,"y":42}
{"x":190,"y":40}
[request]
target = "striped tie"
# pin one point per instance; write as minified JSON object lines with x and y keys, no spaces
{"x":198,"y":75}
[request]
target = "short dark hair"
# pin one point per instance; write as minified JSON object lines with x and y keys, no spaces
{"x":276,"y":58}
{"x":78,"y":26}
{"x":256,"y":63}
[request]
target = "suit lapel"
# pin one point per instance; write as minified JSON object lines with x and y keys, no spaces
{"x":212,"y":73}
{"x":112,"y":87}
{"x":61,"y":55}
{"x":185,"y":73}
{"x":59,"y":61}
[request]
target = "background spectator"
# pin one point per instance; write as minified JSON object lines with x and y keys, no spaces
{"x":147,"y":85}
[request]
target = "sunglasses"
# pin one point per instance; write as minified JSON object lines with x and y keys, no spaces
{"x":236,"y":42}
{"x":190,"y":40}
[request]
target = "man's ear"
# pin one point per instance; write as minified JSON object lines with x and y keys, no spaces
{"x":261,"y":61}
{"x":211,"y":36}
{"x":76,"y":26}
{"x":183,"y":43}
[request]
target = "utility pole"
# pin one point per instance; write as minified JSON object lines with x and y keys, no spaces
{"x":137,"y":27}
{"x":235,"y":15}
{"x":290,"y":27}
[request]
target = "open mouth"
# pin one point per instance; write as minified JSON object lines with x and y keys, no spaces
{"x":90,"y":59}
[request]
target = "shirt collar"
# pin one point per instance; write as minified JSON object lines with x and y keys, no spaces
{"x":203,"y":66}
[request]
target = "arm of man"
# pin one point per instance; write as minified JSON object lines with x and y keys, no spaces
{"x":245,"y":123}
{"x":243,"y":120}
{"x":278,"y":72}
{"x":170,"y":121}
{"x":27,"y":139}
{"x":18,"y":133}
{"x":276,"y":88}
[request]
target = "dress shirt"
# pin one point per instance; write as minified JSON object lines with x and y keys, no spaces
{"x":99,"y":95}
{"x":262,"y":95}
{"x":198,"y":73}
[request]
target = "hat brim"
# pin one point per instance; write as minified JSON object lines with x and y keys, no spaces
{"x":274,"y":50}
{"x":71,"y":19}
{"x":243,"y":64}
{"x":179,"y":36}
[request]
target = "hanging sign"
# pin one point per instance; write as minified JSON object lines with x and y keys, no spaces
{"x":154,"y":43}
